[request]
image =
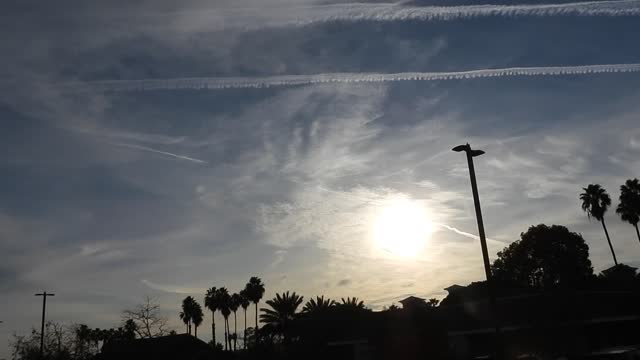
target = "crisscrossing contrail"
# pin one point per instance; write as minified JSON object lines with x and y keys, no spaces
{"x":296,"y":80}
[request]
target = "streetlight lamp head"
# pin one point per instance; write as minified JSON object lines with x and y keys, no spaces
{"x":460,"y":148}
{"x":475,"y":153}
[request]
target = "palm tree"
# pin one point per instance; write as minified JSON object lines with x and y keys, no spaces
{"x":319,"y":304}
{"x":224,"y":303}
{"x":353,"y":302}
{"x":186,"y":314}
{"x":283,"y":310}
{"x":595,"y":202}
{"x":211,"y":303}
{"x":196,"y":317}
{"x":245,"y":304}
{"x":255,"y":290}
{"x":629,"y":207}
{"x":234,"y":304}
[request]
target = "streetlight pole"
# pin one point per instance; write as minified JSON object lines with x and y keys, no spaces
{"x":483,"y":244}
{"x":44,"y":309}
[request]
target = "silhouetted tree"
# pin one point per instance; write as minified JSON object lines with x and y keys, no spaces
{"x":432,"y":303}
{"x":224,"y":303}
{"x":595,"y":202}
{"x":234,"y":304}
{"x":82,"y":333}
{"x":197,"y":316}
{"x":254,"y":291}
{"x":188,"y":309}
{"x":629,"y":207}
{"x":148,"y":319}
{"x":244,"y":302}
{"x":544,"y":257}
{"x":283,"y":310}
{"x":130,"y":328}
{"x":352,"y":302}
{"x":211,"y":303}
{"x":392,"y":307}
{"x":319,"y":304}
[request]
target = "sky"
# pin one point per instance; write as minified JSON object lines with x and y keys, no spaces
{"x":161,"y":148}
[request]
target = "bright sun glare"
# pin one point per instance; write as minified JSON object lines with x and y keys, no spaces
{"x":402,"y":228}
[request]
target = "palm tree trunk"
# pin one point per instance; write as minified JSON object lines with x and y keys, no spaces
{"x":613,"y":253}
{"x":244,"y":338}
{"x":229,"y":332}
{"x":256,"y":329}
{"x":195,"y":331}
{"x":637,"y":232}
{"x":235,"y":331}
{"x":225,"y":334}
{"x":213,"y":329}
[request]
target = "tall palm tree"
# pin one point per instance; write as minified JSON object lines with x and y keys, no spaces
{"x":244,"y":302}
{"x":283,"y":310}
{"x":319,"y":304}
{"x":629,"y":207}
{"x":255,"y":291}
{"x":595,"y":202}
{"x":211,"y":303}
{"x":234,"y":304}
{"x":186,"y":314}
{"x":196,"y":317}
{"x":224,"y":303}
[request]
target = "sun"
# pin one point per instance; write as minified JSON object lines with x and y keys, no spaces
{"x":402,"y":227}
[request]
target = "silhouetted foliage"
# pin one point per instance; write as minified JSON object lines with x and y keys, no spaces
{"x":244,"y":303}
{"x":224,"y":305}
{"x":629,"y":207}
{"x":595,"y":202}
{"x":544,"y":257}
{"x":234,"y":303}
{"x":351,"y":302}
{"x":191,"y":311}
{"x":319,"y":304}
{"x":147,"y":318}
{"x":77,"y":342}
{"x":392,"y":307}
{"x":197,"y":316}
{"x":283,"y":310}
{"x":211,"y":303}
{"x":254,"y":290}
{"x":432,"y":303}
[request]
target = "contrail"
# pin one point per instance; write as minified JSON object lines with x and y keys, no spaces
{"x":144,"y":148}
{"x":397,"y":12}
{"x":170,"y":288}
{"x":258,"y":18}
{"x":466,"y":234}
{"x":296,"y":80}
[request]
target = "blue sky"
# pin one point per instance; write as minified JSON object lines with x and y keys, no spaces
{"x":113,"y":188}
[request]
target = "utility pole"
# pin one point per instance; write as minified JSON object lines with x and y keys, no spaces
{"x":483,"y":244}
{"x":44,"y":309}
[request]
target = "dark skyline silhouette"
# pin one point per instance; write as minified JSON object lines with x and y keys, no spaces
{"x":160,"y":148}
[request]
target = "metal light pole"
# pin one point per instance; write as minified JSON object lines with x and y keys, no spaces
{"x":483,"y":243}
{"x":44,"y":308}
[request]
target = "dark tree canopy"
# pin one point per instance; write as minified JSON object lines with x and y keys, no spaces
{"x":545,"y":257}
